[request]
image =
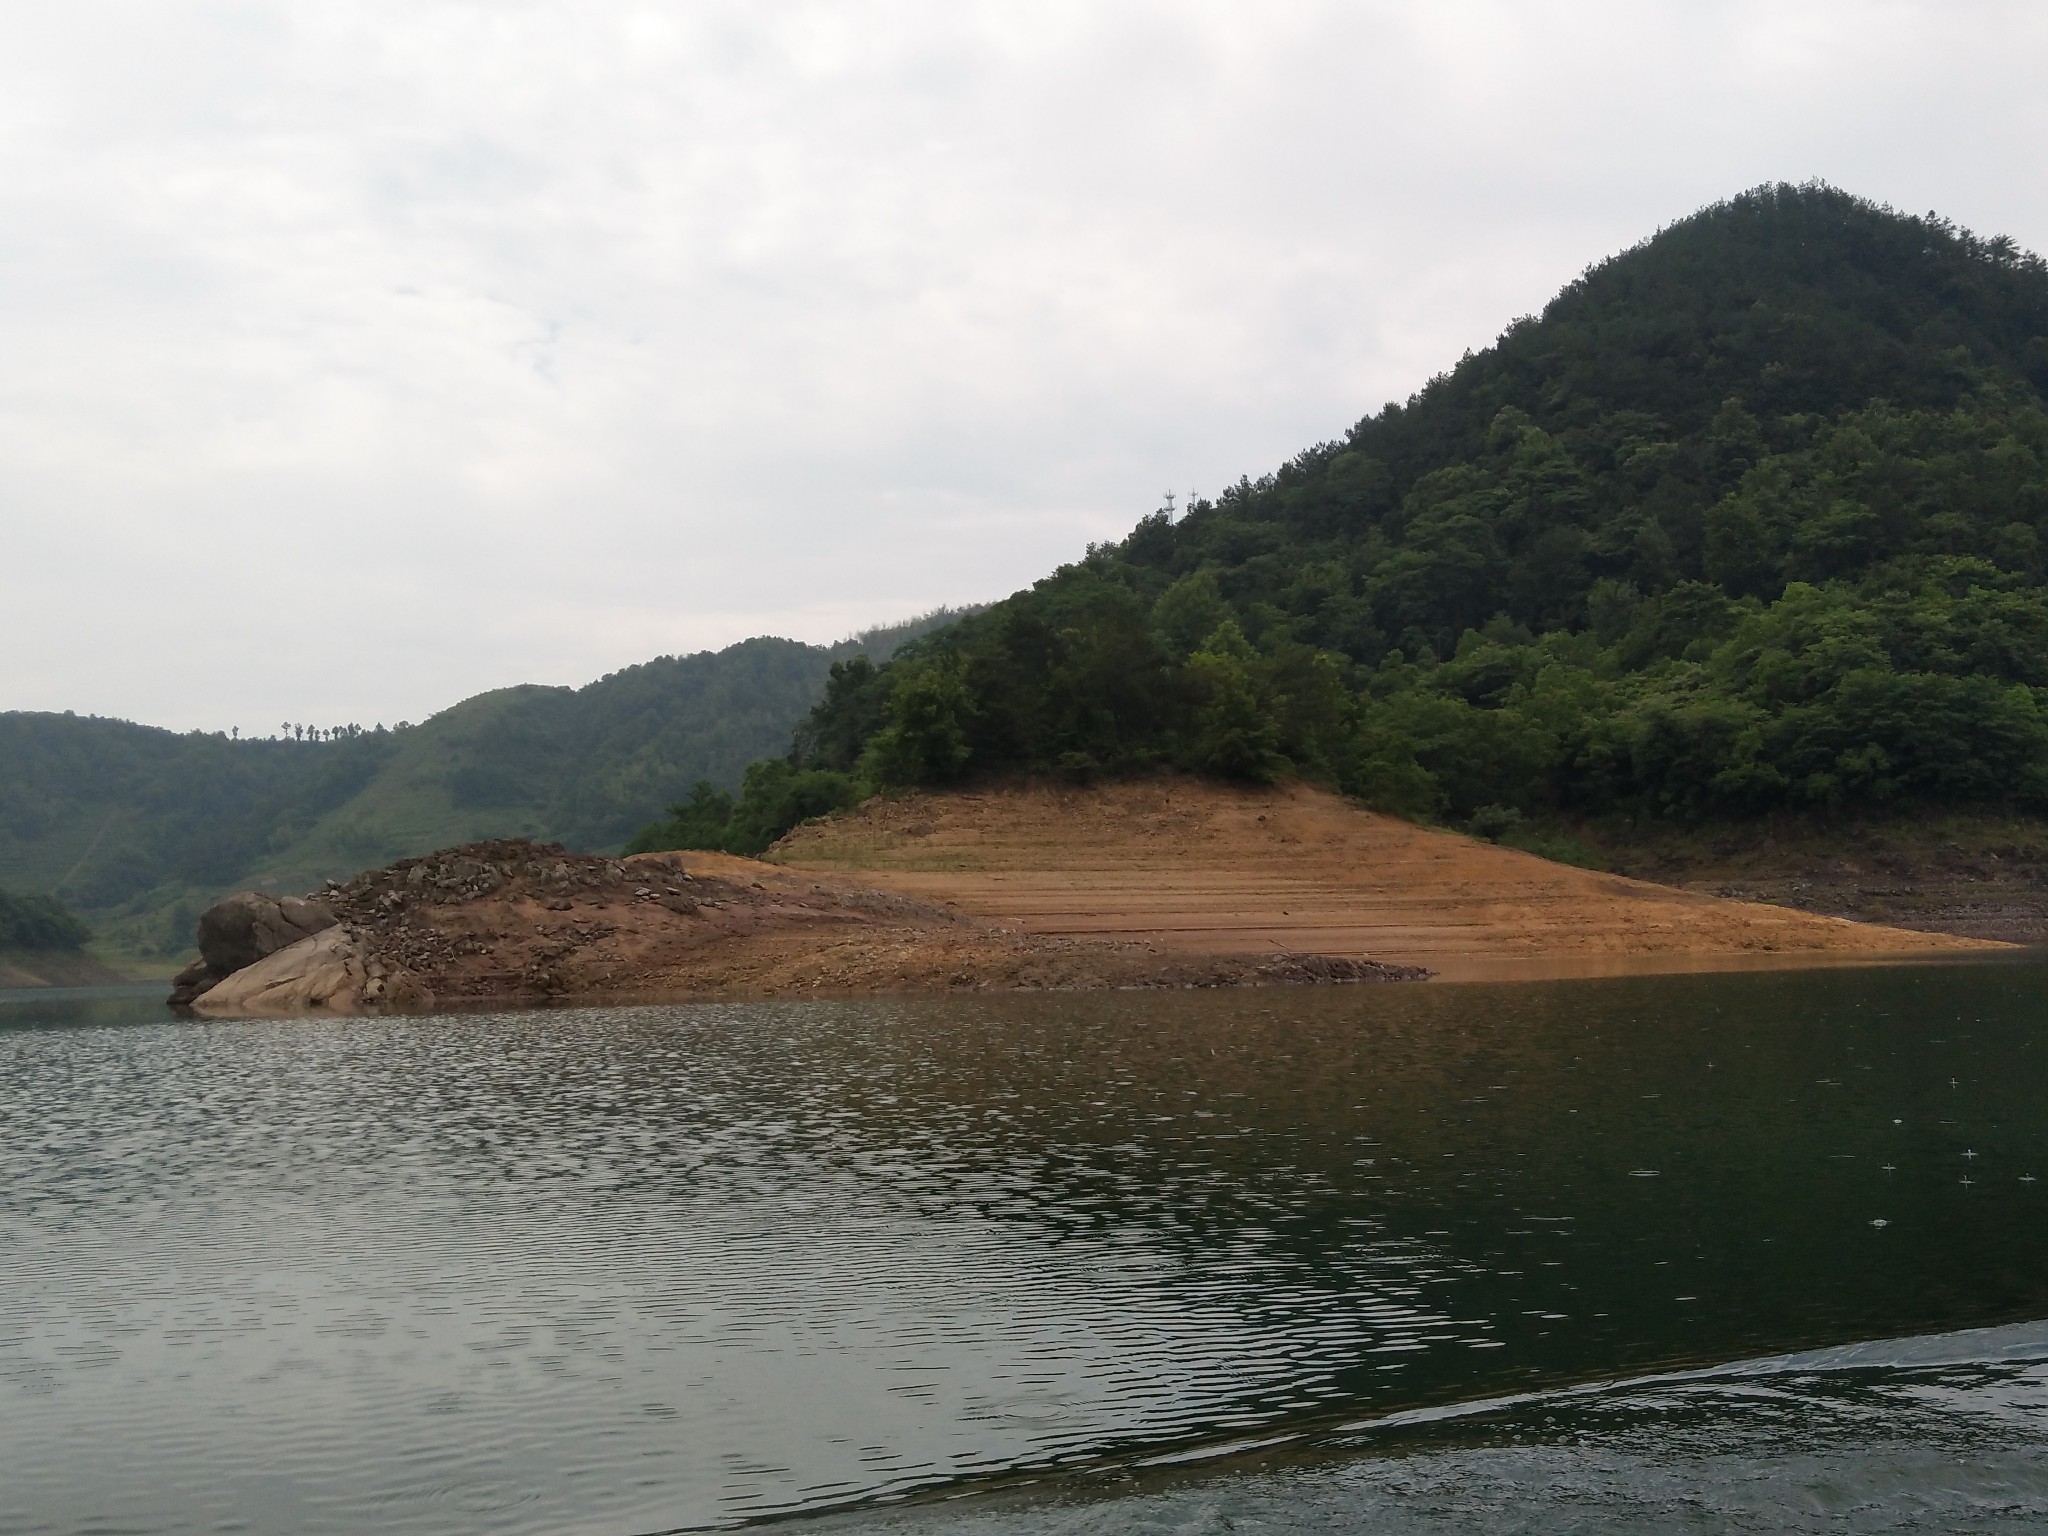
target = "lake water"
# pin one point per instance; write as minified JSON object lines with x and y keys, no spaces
{"x":1551,"y":1256}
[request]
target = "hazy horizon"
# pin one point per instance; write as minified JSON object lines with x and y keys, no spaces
{"x":391,"y":722}
{"x":366,"y":357}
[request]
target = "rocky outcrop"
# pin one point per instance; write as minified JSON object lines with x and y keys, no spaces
{"x":247,"y":927}
{"x":327,"y":972}
{"x":263,"y":954}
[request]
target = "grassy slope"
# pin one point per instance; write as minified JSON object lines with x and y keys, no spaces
{"x":413,"y":804}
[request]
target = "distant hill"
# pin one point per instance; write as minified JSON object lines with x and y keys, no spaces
{"x":139,"y":828}
{"x":1753,"y":518}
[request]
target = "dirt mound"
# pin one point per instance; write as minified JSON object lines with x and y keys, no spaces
{"x":1165,"y":883}
{"x":1201,"y":868}
{"x":517,"y":922}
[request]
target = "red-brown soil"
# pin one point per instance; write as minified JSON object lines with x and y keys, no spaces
{"x":1204,"y":869}
{"x":1164,"y":883}
{"x":518,"y":922}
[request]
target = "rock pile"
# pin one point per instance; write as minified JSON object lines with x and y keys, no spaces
{"x":401,"y":935}
{"x":394,"y":909}
{"x":509,"y":867}
{"x":1320,"y":970}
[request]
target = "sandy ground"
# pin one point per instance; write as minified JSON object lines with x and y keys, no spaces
{"x":1163,"y":883}
{"x":1202,"y":869}
{"x":515,"y":922}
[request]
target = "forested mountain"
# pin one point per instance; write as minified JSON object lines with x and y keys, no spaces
{"x":1750,"y":517}
{"x":140,"y":828}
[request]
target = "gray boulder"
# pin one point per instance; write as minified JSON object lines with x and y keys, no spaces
{"x":246,"y":927}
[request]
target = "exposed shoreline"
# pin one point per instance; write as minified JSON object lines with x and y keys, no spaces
{"x":1203,"y":868}
{"x":27,"y":970}
{"x":517,"y":924}
{"x":1166,"y":883}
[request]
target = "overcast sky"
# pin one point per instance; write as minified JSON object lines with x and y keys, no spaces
{"x":356,"y":357}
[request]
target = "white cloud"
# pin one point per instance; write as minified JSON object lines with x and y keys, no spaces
{"x":362,"y":356}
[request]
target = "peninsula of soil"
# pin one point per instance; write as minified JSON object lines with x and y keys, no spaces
{"x":1171,"y":882}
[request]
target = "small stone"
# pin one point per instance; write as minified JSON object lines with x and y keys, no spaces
{"x":191,"y":981}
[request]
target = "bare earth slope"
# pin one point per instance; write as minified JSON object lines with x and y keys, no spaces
{"x":1166,"y":883}
{"x":1207,"y":869}
{"x":57,"y":968}
{"x":519,"y":922}
{"x":1981,"y":873}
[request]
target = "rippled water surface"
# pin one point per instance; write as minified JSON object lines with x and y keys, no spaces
{"x":1301,"y":1255}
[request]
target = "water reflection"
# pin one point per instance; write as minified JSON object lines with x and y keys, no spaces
{"x":639,"y":1269}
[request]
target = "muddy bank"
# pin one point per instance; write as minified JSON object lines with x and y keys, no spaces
{"x":1164,"y":883}
{"x":1980,"y":875}
{"x":520,"y":923}
{"x":27,"y":968}
{"x":1197,"y":867}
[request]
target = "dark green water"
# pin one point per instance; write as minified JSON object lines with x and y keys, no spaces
{"x":1286,"y":1257}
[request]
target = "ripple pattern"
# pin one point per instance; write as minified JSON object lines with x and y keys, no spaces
{"x":684,"y":1268}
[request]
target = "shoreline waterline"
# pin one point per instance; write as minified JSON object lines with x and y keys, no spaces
{"x":1468,"y":971}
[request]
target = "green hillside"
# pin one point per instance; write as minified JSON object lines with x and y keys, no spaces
{"x":139,"y":829}
{"x":1749,"y":520}
{"x":39,"y":924}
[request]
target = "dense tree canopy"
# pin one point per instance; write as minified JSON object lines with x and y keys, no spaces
{"x":1751,"y":516}
{"x":39,"y":923}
